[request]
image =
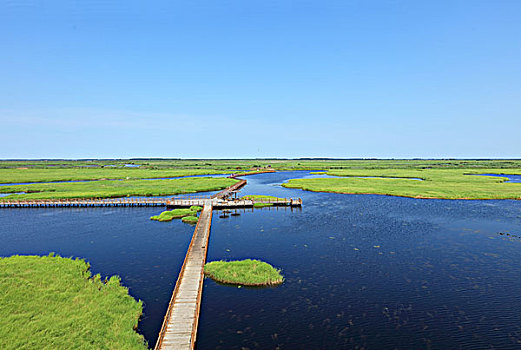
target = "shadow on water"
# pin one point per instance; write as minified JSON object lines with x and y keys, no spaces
{"x":366,"y":271}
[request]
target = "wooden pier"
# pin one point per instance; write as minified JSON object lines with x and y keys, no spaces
{"x":179,"y":327}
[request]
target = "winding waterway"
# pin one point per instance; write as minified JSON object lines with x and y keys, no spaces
{"x":368,"y":271}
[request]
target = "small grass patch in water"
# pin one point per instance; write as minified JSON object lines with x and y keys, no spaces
{"x":52,"y":302}
{"x":190,"y":219}
{"x":262,"y":205}
{"x":196,"y":208}
{"x":249,"y":272}
{"x":259,"y":197}
{"x":169,"y":215}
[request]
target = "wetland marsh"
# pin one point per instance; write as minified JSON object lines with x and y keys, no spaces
{"x":367,"y":271}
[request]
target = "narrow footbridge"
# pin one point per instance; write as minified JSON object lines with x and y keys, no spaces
{"x":179,"y":327}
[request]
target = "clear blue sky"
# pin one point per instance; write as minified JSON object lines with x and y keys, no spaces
{"x":233,"y":79}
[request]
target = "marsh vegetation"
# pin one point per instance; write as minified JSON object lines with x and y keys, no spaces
{"x":116,"y":188}
{"x":244,"y":272}
{"x":169,"y":215}
{"x":437,"y":183}
{"x":54,"y":302}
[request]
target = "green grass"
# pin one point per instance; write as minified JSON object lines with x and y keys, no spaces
{"x":150,"y":168}
{"x":260,"y":197}
{"x":190,"y":219}
{"x":443,"y":177}
{"x":262,"y":205}
{"x":54,"y":303}
{"x":69,"y":174}
{"x":169,"y":215}
{"x":243,"y":272}
{"x":438,"y":183}
{"x":196,"y":208}
{"x":257,"y":197}
{"x":116,"y":188}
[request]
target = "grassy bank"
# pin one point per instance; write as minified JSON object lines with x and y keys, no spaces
{"x":54,"y":303}
{"x":243,"y":272}
{"x":23,"y":175}
{"x":437,"y":183}
{"x":228,"y":166}
{"x":111,"y":189}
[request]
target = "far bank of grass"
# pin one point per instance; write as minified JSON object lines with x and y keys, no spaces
{"x":437,"y":183}
{"x":116,"y":188}
{"x":228,"y":166}
{"x":29,"y":174}
{"x":54,"y":303}
{"x":243,"y":272}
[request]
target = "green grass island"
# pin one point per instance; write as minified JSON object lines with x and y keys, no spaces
{"x":249,"y":272}
{"x":180,"y":213}
{"x":417,"y":183}
{"x":190,"y":219}
{"x":50,"y":302}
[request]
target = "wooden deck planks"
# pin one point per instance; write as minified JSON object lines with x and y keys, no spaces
{"x":180,"y":324}
{"x":120,"y":202}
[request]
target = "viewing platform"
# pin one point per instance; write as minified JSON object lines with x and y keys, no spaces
{"x":233,"y":203}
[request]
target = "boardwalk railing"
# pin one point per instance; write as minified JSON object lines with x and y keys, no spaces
{"x":228,"y":191}
{"x":108,"y":202}
{"x":179,"y":329}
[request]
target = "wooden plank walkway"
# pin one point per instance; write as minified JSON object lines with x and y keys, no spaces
{"x":109,"y":202}
{"x":228,"y":191}
{"x":180,"y":323}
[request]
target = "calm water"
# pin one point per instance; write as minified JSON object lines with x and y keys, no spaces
{"x":511,"y":178}
{"x":365,"y":271}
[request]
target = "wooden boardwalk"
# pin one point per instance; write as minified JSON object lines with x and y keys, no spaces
{"x":108,"y":202}
{"x":217,"y":203}
{"x":180,"y":323}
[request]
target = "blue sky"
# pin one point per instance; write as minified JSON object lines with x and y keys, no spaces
{"x":235,"y":79}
